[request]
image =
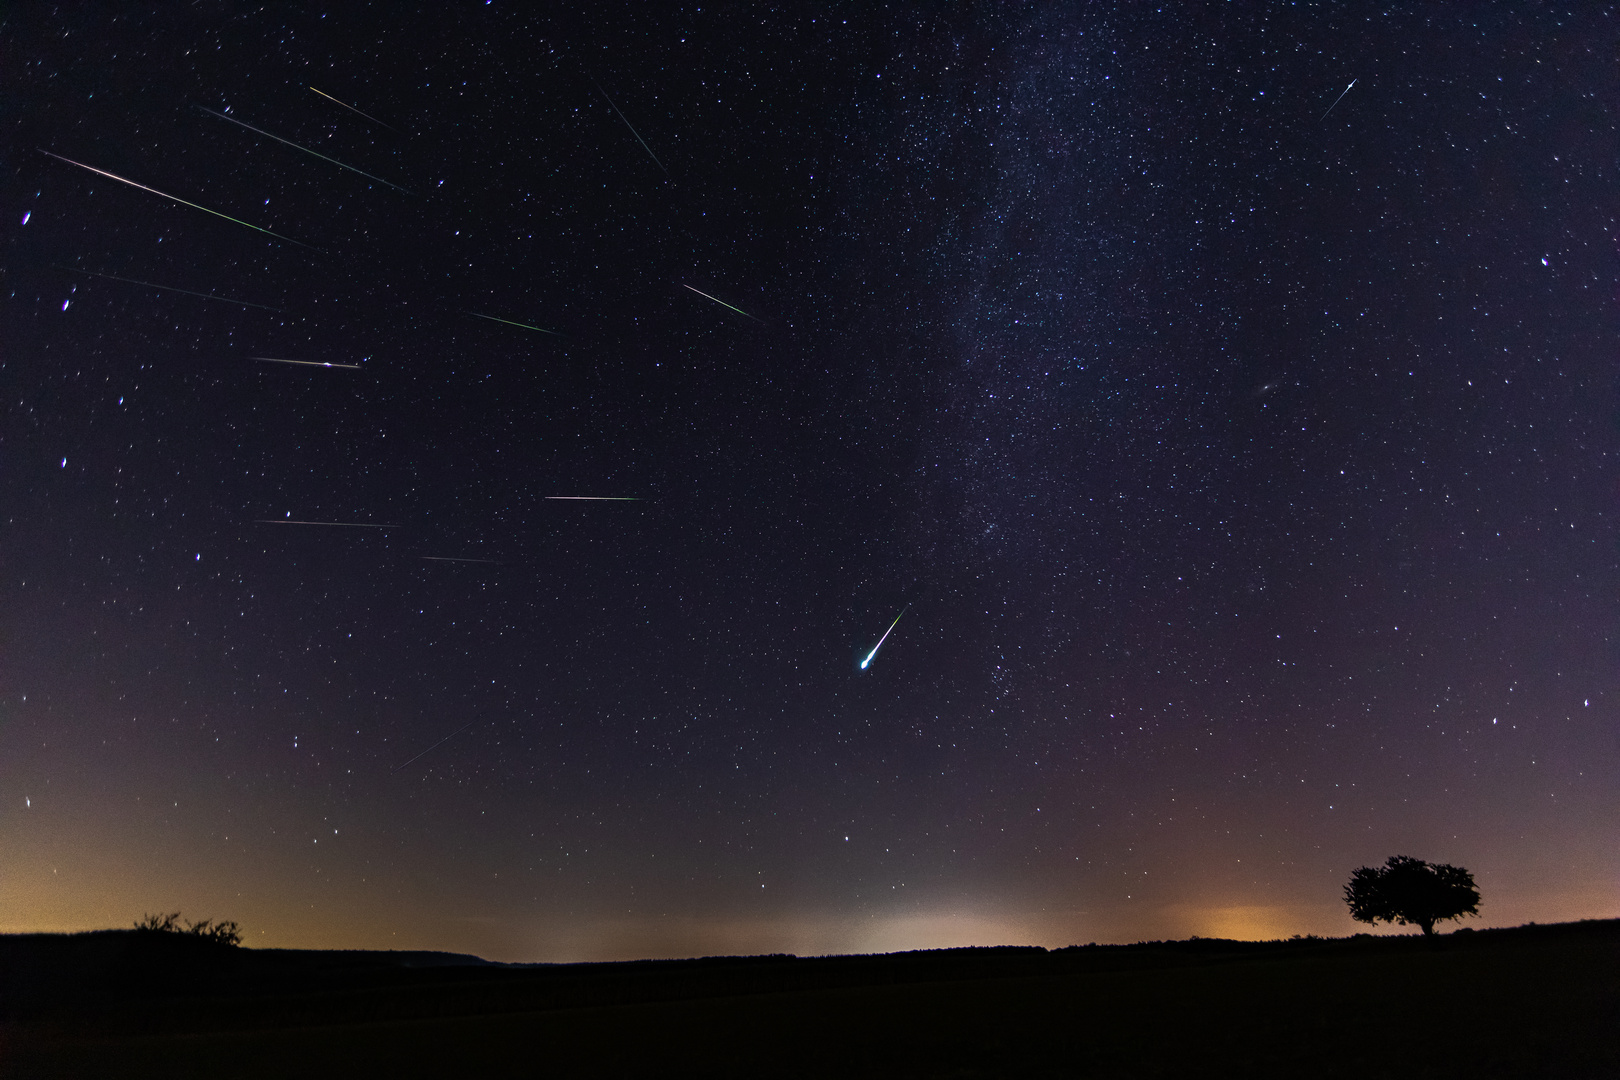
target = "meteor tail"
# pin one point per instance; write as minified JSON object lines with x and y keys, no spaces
{"x":305,"y":149}
{"x":869,"y":656}
{"x":176,"y":198}
{"x":633,"y":131}
{"x":509,"y":322}
{"x":356,"y":111}
{"x":165,"y":288}
{"x":436,"y":745}
{"x":721,"y":302}
{"x":1340,"y":98}
{"x":305,"y":363}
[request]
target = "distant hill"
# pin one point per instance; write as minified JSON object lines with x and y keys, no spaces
{"x":64,"y":971}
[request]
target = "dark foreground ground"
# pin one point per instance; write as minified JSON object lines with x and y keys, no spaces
{"x":1536,"y":1001}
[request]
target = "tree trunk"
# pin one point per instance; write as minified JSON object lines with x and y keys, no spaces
{"x":1428,"y":927}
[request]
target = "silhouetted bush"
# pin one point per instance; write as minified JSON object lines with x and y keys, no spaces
{"x":1411,"y":892}
{"x":222,"y":932}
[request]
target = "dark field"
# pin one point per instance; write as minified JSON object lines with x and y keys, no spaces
{"x":1536,"y":1001}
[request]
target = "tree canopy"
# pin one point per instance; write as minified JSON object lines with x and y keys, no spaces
{"x":1411,"y":892}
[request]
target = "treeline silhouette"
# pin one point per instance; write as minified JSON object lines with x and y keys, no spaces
{"x":221,"y":933}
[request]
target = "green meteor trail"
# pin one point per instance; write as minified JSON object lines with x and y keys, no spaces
{"x":721,"y":302}
{"x":165,"y":288}
{"x":865,"y":663}
{"x":509,"y":322}
{"x":633,"y":131}
{"x":176,"y":198}
{"x":305,"y":149}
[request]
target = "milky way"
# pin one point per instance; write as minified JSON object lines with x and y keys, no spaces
{"x":1226,"y":401}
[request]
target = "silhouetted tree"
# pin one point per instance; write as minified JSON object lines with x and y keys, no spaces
{"x":223,"y":932}
{"x":160,"y":924}
{"x":1411,"y":892}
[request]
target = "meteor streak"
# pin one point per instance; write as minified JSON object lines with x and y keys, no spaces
{"x":354,"y":110}
{"x":885,"y":637}
{"x":447,"y":558}
{"x":306,"y":363}
{"x":176,"y":198}
{"x":596,"y":498}
{"x":633,"y":131}
{"x":509,"y":322}
{"x":166,"y":288}
{"x":345,"y":524}
{"x":722,"y":303}
{"x":1338,"y":99}
{"x":305,"y":149}
{"x":436,"y":745}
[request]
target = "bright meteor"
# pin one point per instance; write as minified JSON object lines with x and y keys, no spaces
{"x":509,"y":322}
{"x":721,"y":302}
{"x":306,"y":363}
{"x":596,"y":498}
{"x":1340,"y":98}
{"x":176,"y":198}
{"x":885,"y":637}
{"x":354,"y":110}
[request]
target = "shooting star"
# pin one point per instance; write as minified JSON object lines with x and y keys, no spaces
{"x":722,"y":303}
{"x":165,"y":288}
{"x":176,"y":198}
{"x":596,"y":498}
{"x":509,"y":322}
{"x":305,"y":149}
{"x":633,"y":131}
{"x":356,"y":111}
{"x":305,"y":363}
{"x":867,"y":662}
{"x":436,"y":745}
{"x":344,"y":524}
{"x":1338,"y":99}
{"x":447,"y":558}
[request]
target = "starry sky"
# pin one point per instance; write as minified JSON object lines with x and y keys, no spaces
{"x":1238,"y":453}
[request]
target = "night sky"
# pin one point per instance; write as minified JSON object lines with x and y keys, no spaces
{"x":1239,"y":455}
